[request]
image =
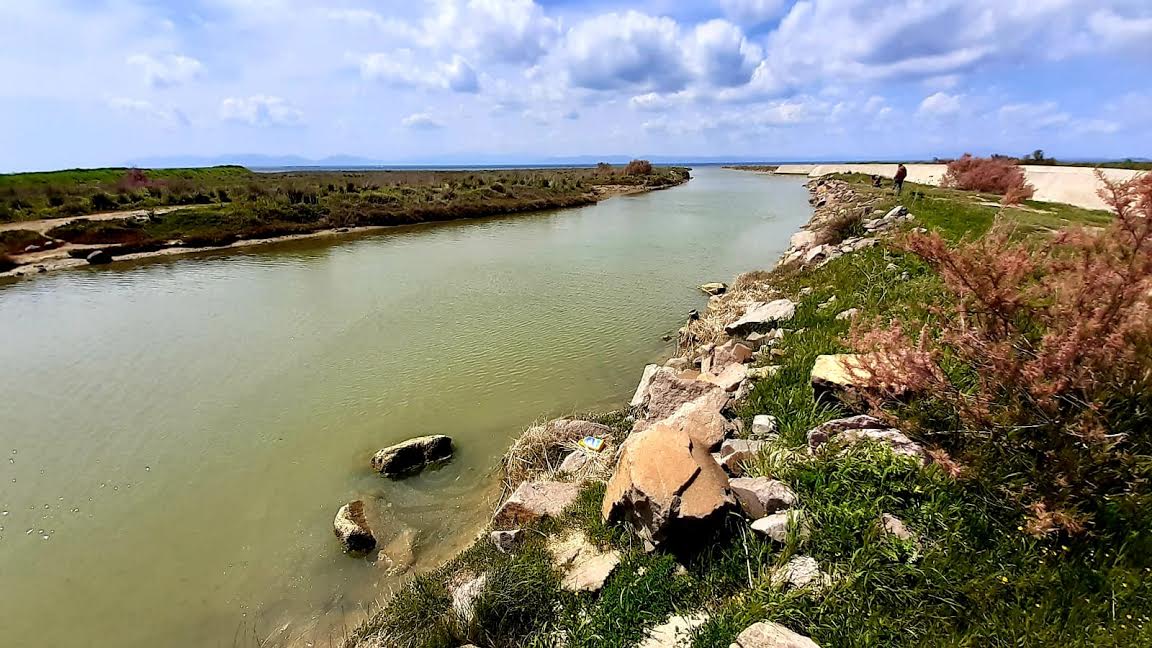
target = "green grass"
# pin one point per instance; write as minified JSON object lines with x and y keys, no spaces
{"x":971,"y":579}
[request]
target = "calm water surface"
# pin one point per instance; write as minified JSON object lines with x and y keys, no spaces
{"x":178,"y":434}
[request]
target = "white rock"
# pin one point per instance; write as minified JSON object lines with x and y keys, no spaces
{"x":777,"y":525}
{"x":676,"y":632}
{"x":585,"y":568}
{"x":642,"y":388}
{"x":848,"y":314}
{"x":800,"y":572}
{"x":772,"y":635}
{"x":891,"y":525}
{"x":764,"y":425}
{"x":760,"y":496}
{"x":760,"y":313}
{"x":464,"y":598}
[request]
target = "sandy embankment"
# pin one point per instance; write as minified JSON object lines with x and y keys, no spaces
{"x":1069,"y":185}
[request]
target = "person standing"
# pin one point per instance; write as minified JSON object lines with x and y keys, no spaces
{"x":898,"y":180}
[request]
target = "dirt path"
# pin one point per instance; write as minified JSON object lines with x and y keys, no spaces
{"x":42,"y":226}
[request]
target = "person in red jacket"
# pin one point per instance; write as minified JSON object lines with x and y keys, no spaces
{"x":898,"y":181}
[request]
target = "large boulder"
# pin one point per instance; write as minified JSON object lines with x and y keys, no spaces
{"x":642,"y":388}
{"x":837,"y":374}
{"x":667,"y":392}
{"x":771,"y":635}
{"x":412,"y":456}
{"x":760,"y":496}
{"x":848,"y":377}
{"x":351,"y":526}
{"x":701,"y":419}
{"x":760,"y":314}
{"x":666,"y":486}
{"x":533,"y":501}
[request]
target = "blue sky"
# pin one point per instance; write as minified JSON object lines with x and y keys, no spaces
{"x":104,"y":82}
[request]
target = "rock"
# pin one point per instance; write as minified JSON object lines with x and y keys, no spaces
{"x":755,"y":340}
{"x":798,"y":573}
{"x":820,"y":253}
{"x":760,"y":373}
{"x":666,"y":486}
{"x":890,"y":525}
{"x":731,"y":352}
{"x":828,"y":303}
{"x":701,"y":419}
{"x":399,"y":555}
{"x":676,"y":364}
{"x":99,"y":257}
{"x":777,"y":525}
{"x":848,"y":314}
{"x":714,"y":288}
{"x":893,"y":439}
{"x":533,"y":501}
{"x":352,"y":528}
{"x":579,"y":463}
{"x":584,"y":567}
{"x":895,"y":212}
{"x":742,"y":391}
{"x":413,"y":455}
{"x":667,"y":392}
{"x":32,"y":248}
{"x":676,"y":632}
{"x":762,"y":313}
{"x":833,"y":375}
{"x":464,"y":597}
{"x":820,"y":434}
{"x":642,"y":388}
{"x":772,"y":635}
{"x":506,"y":541}
{"x":764,"y":426}
{"x":729,"y":379}
{"x":761,"y":496}
{"x":735,"y":452}
{"x":802,"y":239}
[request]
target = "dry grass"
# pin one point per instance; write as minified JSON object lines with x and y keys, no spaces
{"x":538,"y":452}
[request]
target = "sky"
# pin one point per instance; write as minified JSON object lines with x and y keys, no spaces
{"x":107,"y":82}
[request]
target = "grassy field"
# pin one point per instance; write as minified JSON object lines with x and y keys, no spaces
{"x":973,"y":578}
{"x":225,"y":204}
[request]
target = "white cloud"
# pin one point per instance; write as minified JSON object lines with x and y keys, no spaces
{"x":404,"y":68}
{"x":1117,"y":29}
{"x":166,"y":71}
{"x":148,"y":110}
{"x":260,"y":110}
{"x":719,"y":53}
{"x":941,"y":104}
{"x":421,"y":121}
{"x":629,"y":50}
{"x":507,"y":31}
{"x":1033,"y":116}
{"x":753,"y":12}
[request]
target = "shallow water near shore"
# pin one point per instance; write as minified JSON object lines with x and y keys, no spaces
{"x":180,"y":432}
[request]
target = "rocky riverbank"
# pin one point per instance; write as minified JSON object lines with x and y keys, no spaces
{"x":671,"y":467}
{"x":753,"y":495}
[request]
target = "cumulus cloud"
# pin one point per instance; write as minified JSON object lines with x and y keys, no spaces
{"x":421,"y":121}
{"x":629,"y":50}
{"x":753,"y":13}
{"x":404,"y":68}
{"x":148,"y":111}
{"x":1118,"y":29}
{"x":941,"y":104}
{"x":166,"y":71}
{"x":508,"y":31}
{"x":720,"y":54}
{"x":260,"y":110}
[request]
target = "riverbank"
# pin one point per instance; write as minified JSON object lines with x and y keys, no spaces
{"x":61,"y":243}
{"x":892,"y":539}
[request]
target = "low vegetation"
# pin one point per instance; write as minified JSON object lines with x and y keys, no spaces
{"x":996,"y":175}
{"x":225,"y":204}
{"x":1025,"y":348}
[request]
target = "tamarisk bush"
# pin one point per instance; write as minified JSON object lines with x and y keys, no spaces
{"x":1046,"y":350}
{"x":989,"y":175}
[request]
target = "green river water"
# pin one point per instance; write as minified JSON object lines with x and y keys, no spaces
{"x":179,"y":432}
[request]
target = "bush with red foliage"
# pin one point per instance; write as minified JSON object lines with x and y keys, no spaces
{"x":1050,"y":349}
{"x":998,"y":175}
{"x":638,"y":167}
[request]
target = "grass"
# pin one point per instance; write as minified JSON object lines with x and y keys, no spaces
{"x":971,"y":577}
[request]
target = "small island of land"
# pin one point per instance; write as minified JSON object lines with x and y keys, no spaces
{"x":60,"y":219}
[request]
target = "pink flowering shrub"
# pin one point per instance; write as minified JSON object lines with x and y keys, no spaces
{"x":1053,"y":340}
{"x":989,"y":175}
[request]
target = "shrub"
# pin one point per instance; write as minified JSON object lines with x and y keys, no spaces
{"x":998,"y":175}
{"x":638,"y":167}
{"x":840,"y":227}
{"x":1047,"y":350}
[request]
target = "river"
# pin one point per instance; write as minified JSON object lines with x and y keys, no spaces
{"x":179,"y":432}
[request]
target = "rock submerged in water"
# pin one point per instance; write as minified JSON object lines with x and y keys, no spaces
{"x":351,"y":526}
{"x":99,"y":257}
{"x":412,"y":456}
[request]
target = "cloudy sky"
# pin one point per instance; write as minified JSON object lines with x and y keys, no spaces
{"x":104,"y":82}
